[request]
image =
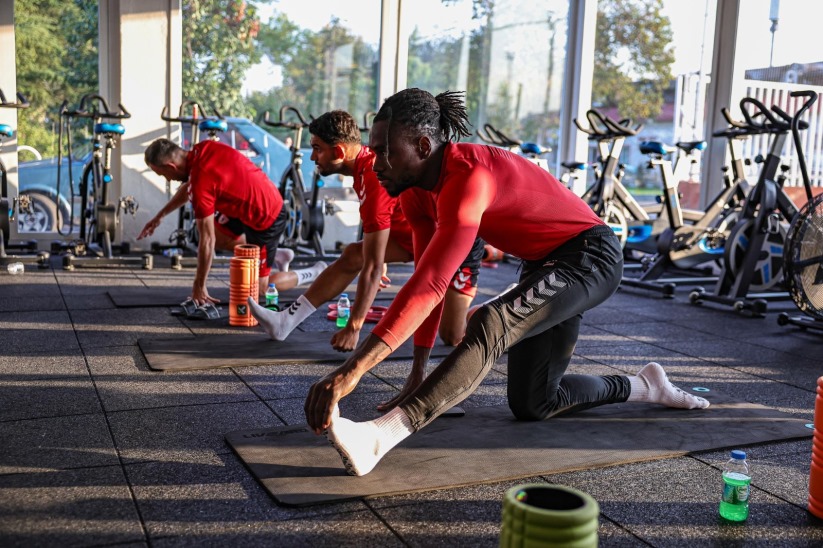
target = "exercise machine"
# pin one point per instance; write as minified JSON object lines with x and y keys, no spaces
{"x":753,"y":255}
{"x":306,"y":210}
{"x":99,"y":216}
{"x":24,"y":252}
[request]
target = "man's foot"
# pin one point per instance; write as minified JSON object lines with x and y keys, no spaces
{"x":282,"y":258}
{"x":652,"y":385}
{"x":358,"y":444}
{"x":269,"y":320}
{"x":362,"y":444}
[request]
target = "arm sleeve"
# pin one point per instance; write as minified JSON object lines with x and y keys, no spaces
{"x":439,"y":249}
{"x":201,"y":194}
{"x":377,"y":207}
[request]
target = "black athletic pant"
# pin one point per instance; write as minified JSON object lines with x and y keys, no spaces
{"x":538,"y":321}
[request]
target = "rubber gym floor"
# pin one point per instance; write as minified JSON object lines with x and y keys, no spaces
{"x":96,"y":449}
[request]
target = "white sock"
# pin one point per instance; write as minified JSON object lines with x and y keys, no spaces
{"x":362,"y":444}
{"x":308,"y":275}
{"x":652,"y":385}
{"x":280,"y":324}
{"x":282,"y":258}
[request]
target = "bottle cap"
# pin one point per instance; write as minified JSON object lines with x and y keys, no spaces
{"x":344,"y":295}
{"x":271,"y":285}
{"x":738,"y":454}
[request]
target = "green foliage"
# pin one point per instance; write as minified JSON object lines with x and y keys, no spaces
{"x":633,"y":57}
{"x":56,"y":47}
{"x":322,"y":70}
{"x":218,"y":48}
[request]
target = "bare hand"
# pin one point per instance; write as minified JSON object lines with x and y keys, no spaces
{"x":200,"y":296}
{"x":346,"y":339}
{"x":324,"y":395}
{"x":149,"y":229}
{"x":384,"y":278}
{"x":414,"y":380}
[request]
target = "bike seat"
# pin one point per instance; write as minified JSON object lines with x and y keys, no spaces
{"x":532,"y":148}
{"x":574,"y":165}
{"x":655,"y":147}
{"x":213,"y":125}
{"x":109,"y":128}
{"x":6,"y":131}
{"x":689,"y":146}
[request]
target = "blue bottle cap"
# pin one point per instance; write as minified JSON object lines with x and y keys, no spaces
{"x":271,"y":285}
{"x":738,"y":454}
{"x":344,"y":295}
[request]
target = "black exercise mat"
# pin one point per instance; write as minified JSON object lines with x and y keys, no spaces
{"x":236,"y":350}
{"x":145,"y":297}
{"x":298,"y":468}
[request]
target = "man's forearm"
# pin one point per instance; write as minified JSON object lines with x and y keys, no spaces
{"x":367,"y":285}
{"x":205,"y":254}
{"x":371,"y":352}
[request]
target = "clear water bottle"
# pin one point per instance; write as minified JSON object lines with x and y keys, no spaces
{"x":343,"y":310}
{"x":734,"y":504}
{"x":15,"y":269}
{"x":272,"y":297}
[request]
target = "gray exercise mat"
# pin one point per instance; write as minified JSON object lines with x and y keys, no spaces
{"x":236,"y":350}
{"x":146,"y":297}
{"x":298,"y":468}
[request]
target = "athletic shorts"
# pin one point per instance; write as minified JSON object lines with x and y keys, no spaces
{"x":267,"y":239}
{"x":465,"y":279}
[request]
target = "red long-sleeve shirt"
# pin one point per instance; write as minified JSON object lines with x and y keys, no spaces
{"x":378,"y":210}
{"x":510,"y":202}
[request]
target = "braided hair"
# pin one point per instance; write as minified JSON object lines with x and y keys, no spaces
{"x":442,"y":118}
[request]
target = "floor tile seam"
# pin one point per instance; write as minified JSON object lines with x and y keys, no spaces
{"x":48,"y":417}
{"x":184,"y":405}
{"x":259,"y":397}
{"x":113,"y":440}
{"x":60,"y":470}
{"x":385,"y":522}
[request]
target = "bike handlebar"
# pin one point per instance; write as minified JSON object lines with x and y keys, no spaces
{"x":93,"y":99}
{"x":21,"y":101}
{"x":796,"y":123}
{"x":283,"y":123}
{"x":604,"y":127}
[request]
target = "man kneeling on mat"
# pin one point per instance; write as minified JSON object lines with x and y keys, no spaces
{"x":234,"y":202}
{"x":387,"y":238}
{"x":572,"y":262}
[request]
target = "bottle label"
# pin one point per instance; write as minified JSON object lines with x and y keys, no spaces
{"x":734,"y":493}
{"x":342,"y":312}
{"x":272,"y":300}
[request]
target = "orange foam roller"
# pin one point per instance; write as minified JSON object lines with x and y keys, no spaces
{"x":247,"y":250}
{"x":816,"y":472}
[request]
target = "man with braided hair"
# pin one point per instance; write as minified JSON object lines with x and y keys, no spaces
{"x":387,"y":238}
{"x":572,"y":262}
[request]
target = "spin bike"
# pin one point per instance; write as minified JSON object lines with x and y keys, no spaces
{"x":183,"y":241}
{"x":304,"y":228}
{"x":21,"y":205}
{"x":530,"y":150}
{"x":98,"y":216}
{"x":683,"y":247}
{"x":753,"y":256}
{"x":607,"y":196}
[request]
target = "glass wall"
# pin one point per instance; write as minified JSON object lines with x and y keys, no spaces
{"x":56,"y":54}
{"x":507,"y":56}
{"x":652,"y":64}
{"x":316,"y":56}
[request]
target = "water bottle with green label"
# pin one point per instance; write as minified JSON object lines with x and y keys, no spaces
{"x":734,"y":504}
